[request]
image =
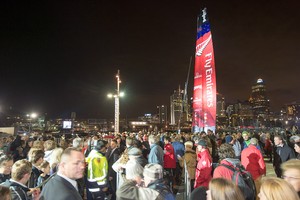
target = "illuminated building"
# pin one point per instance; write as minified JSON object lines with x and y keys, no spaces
{"x":245,"y":113}
{"x":293,"y":109}
{"x":292,"y":113}
{"x":162,"y":114}
{"x":221,"y":106}
{"x":260,"y":103}
{"x":179,"y":109}
{"x":221,"y":110}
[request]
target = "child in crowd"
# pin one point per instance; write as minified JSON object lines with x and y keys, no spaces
{"x":45,"y":168}
{"x":4,"y":193}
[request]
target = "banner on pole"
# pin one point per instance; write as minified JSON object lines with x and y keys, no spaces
{"x":204,"y":97}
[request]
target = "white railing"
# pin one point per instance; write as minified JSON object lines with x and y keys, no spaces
{"x":187,"y":183}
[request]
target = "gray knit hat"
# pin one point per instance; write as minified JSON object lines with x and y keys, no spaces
{"x":295,"y":139}
{"x":153,"y":171}
{"x":134,"y":152}
{"x":202,"y":143}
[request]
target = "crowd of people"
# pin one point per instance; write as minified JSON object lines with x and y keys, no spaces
{"x":148,"y":166}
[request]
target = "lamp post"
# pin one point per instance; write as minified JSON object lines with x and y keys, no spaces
{"x":31,"y":116}
{"x":117,"y":96}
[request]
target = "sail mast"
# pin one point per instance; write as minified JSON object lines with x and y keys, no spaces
{"x":184,"y":98}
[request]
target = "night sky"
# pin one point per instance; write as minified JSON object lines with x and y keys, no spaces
{"x":62,"y":56}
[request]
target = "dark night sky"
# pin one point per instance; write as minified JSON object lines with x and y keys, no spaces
{"x":62,"y":56}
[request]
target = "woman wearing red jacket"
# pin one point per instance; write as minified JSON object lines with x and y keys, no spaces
{"x":268,"y":146}
{"x":204,"y":166}
{"x":169,"y":160}
{"x":169,"y":156}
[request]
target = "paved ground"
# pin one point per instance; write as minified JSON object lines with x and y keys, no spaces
{"x":270,"y":172}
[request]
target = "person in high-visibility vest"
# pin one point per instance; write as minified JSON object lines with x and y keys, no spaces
{"x":97,"y":170}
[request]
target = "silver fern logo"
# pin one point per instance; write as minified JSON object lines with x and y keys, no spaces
{"x":201,"y":47}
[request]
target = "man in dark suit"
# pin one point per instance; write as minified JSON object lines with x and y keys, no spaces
{"x":112,"y":156}
{"x":63,"y":185}
{"x":282,"y":154}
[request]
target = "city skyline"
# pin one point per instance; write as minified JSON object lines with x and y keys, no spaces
{"x":62,"y":57}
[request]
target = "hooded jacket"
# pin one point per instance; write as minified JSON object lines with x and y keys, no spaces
{"x":253,"y":161}
{"x":223,"y":172}
{"x":155,"y":191}
{"x":203,"y":169}
{"x":190,"y":158}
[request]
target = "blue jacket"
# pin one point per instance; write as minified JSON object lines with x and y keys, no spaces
{"x":156,"y":155}
{"x":178,"y":149}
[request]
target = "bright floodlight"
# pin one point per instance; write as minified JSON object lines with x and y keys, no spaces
{"x":122,"y":94}
{"x":33,"y":115}
{"x":110,"y":95}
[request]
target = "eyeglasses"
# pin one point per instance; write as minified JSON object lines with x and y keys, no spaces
{"x":289,"y":177}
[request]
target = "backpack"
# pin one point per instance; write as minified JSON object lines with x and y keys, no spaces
{"x":164,"y":191}
{"x":243,"y":180}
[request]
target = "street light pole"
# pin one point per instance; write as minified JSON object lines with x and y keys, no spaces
{"x":117,"y":104}
{"x":31,"y":117}
{"x":117,"y":96}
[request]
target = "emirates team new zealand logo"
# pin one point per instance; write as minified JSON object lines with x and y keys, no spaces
{"x":200,"y":47}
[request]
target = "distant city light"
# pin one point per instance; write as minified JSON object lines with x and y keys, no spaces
{"x":139,"y":123}
{"x":259,"y":80}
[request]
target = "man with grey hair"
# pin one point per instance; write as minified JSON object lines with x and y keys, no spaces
{"x":253,"y":161}
{"x":156,"y":154}
{"x":155,"y":188}
{"x":78,"y":143}
{"x":136,"y":154}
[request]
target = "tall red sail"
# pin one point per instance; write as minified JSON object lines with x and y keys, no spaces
{"x":204,"y":98}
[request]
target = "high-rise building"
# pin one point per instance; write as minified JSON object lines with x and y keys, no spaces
{"x":259,"y":101}
{"x":221,"y":106}
{"x":221,"y":110}
{"x":293,"y":110}
{"x":244,"y":112}
{"x":162,"y":114}
{"x":292,"y":115}
{"x":179,"y":109}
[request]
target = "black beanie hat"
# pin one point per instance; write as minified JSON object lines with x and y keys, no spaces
{"x":100,"y":144}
